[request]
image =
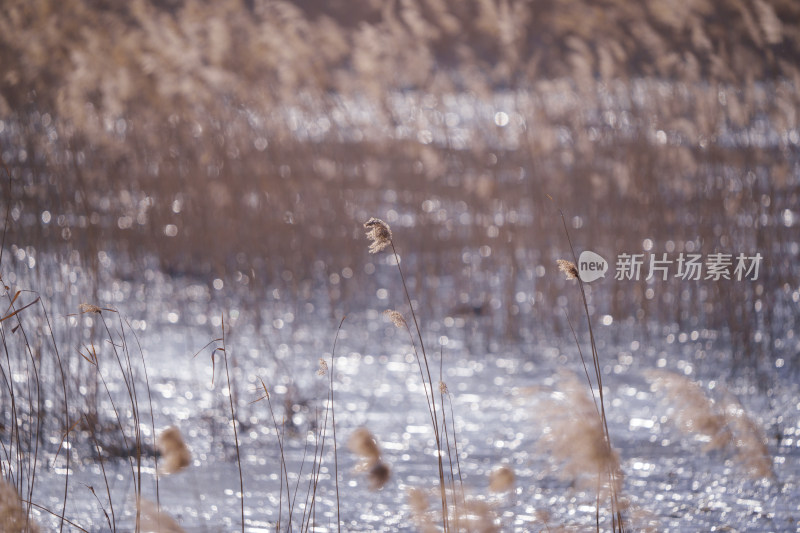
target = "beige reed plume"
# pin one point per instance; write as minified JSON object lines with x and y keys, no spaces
{"x":174,"y":451}
{"x":12,"y":514}
{"x":723,"y":425}
{"x":575,"y":439}
{"x":568,"y":268}
{"x":379,"y":233}
{"x":364,"y":444}
{"x":155,"y":521}
{"x":692,"y":411}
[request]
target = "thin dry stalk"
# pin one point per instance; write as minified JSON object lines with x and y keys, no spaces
{"x":283,"y":471}
{"x":614,"y":474}
{"x":224,"y":350}
{"x":381,"y":235}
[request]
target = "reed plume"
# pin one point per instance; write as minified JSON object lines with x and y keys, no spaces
{"x":13,"y":518}
{"x":501,"y":479}
{"x":174,"y":451}
{"x":723,"y":425}
{"x":154,"y":520}
{"x":363,"y":444}
{"x":379,"y":233}
{"x":575,"y":438}
{"x":693,"y":412}
{"x":568,"y":268}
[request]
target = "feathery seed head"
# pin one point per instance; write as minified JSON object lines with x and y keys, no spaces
{"x":379,"y":233}
{"x":501,"y":479}
{"x":568,"y":268}
{"x":363,"y":444}
{"x":323,"y":367}
{"x":396,"y":317}
{"x":173,"y":450}
{"x":378,"y":475}
{"x":89,"y":308}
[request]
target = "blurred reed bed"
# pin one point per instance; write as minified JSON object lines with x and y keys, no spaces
{"x":291,"y":121}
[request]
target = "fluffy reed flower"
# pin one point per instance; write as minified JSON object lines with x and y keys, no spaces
{"x":693,"y":412}
{"x":378,"y":475}
{"x":396,"y":317}
{"x":501,"y":479}
{"x":175,"y":453}
{"x":379,"y":233}
{"x":323,"y":367}
{"x":477,"y":515}
{"x":575,"y":439}
{"x":568,"y":268}
{"x":89,"y":308}
{"x":12,"y":514}
{"x":417,"y":500}
{"x":726,"y":425}
{"x":155,"y":521}
{"x":363,"y":444}
{"x":748,"y":439}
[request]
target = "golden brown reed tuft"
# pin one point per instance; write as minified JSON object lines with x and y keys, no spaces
{"x":417,"y":500}
{"x":364,"y":444}
{"x":575,"y":439}
{"x":89,"y":308}
{"x":423,"y":518}
{"x":748,"y":440}
{"x":693,"y":412}
{"x":478,"y":515}
{"x":568,"y":268}
{"x":12,"y":514}
{"x":323,"y":367}
{"x":378,"y":475}
{"x":501,"y":479}
{"x":174,"y":451}
{"x":396,"y":317}
{"x":155,"y":521}
{"x":723,"y":426}
{"x":379,"y":233}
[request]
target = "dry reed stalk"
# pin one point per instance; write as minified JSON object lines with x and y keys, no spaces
{"x":284,"y":476}
{"x":224,"y":350}
{"x":606,"y":454}
{"x":318,"y":454}
{"x":380,"y":234}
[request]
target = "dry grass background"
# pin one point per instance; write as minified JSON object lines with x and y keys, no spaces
{"x":244,"y":140}
{"x":178,"y":129}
